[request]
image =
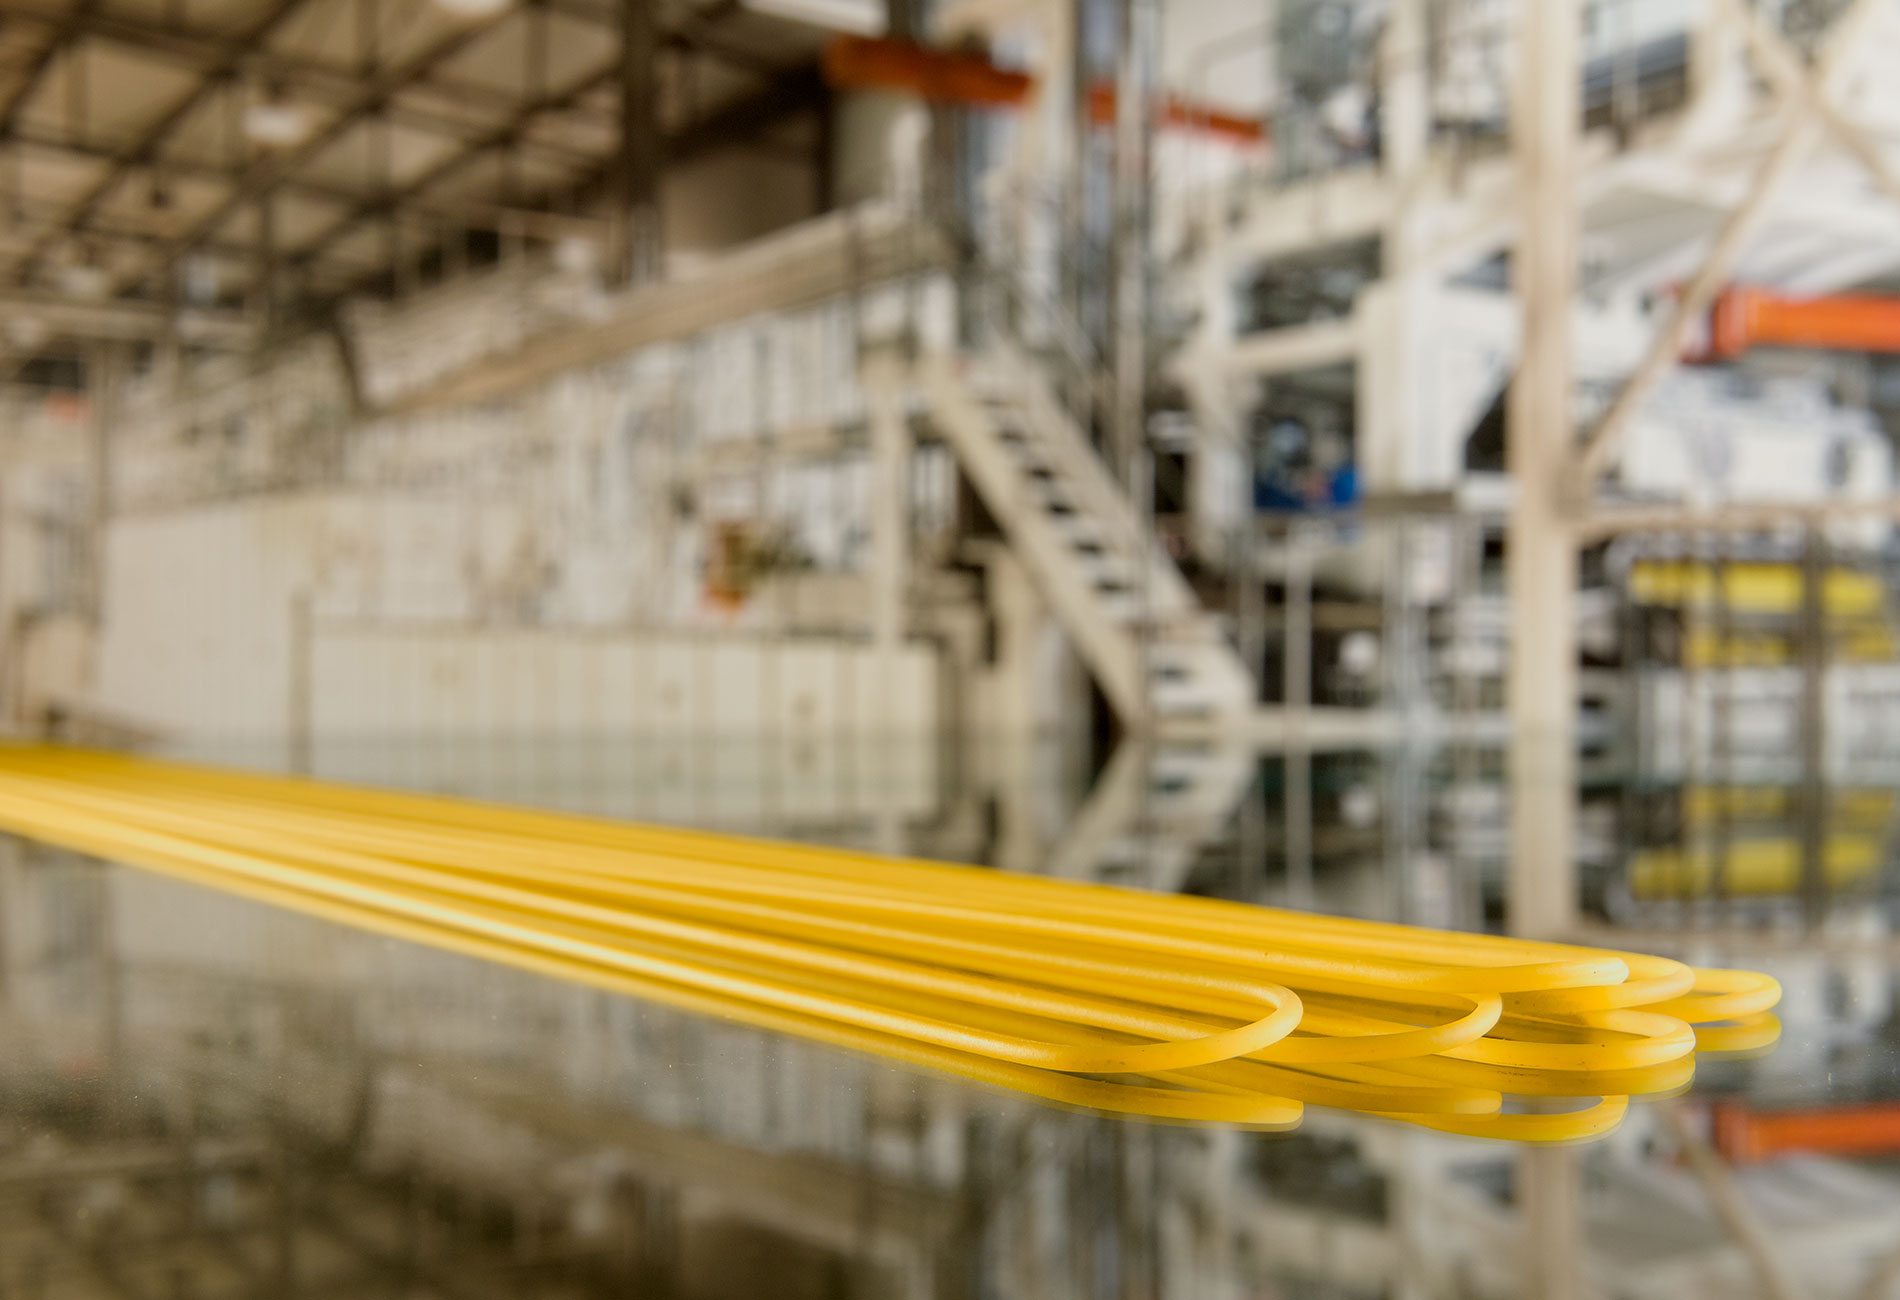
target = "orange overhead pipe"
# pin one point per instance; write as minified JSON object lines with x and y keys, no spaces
{"x":861,"y":63}
{"x":1744,"y":317}
{"x":1172,"y":110}
{"x":949,"y":76}
{"x":1745,"y":1136}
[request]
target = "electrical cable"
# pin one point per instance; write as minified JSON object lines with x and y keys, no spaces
{"x":1174,"y":1008}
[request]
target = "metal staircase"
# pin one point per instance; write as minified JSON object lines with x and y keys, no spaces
{"x":1156,"y":653}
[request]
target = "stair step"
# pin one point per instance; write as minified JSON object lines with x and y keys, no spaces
{"x":1102,"y":564}
{"x":1051,"y":481}
{"x":1171,"y":634}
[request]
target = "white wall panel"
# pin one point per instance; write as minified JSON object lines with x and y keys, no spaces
{"x":735,"y":683}
{"x":508,"y":690}
{"x":665,"y":697}
{"x":200,"y":640}
{"x":808,"y":692}
{"x":620,"y":662}
{"x":577,"y":684}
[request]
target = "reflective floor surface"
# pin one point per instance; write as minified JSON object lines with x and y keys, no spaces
{"x":204,"y":1097}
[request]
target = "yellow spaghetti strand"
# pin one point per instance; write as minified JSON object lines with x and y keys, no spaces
{"x":1197,"y":1010}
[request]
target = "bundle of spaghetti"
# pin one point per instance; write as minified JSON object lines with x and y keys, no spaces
{"x":1171,"y":1007}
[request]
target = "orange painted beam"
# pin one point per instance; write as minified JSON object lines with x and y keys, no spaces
{"x":1745,"y":1136}
{"x":948,"y":76}
{"x":1181,"y":114}
{"x":1745,"y":317}
{"x":861,"y":63}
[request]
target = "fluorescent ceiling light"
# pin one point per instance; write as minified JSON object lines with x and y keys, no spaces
{"x":473,"y":8}
{"x":276,"y":125}
{"x":576,"y":256}
{"x":25,"y":331}
{"x":83,"y":280}
{"x":200,"y":279}
{"x":858,"y":17}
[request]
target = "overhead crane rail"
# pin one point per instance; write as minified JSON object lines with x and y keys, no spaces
{"x":1164,"y":1006}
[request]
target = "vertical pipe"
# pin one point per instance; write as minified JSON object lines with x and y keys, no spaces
{"x":900,"y":21}
{"x":1133,"y":71}
{"x":1405,"y":109}
{"x":1394,"y":697}
{"x":1073,"y":262}
{"x":1722,"y":723}
{"x":1250,"y":597}
{"x":1298,"y":771}
{"x":639,"y":216}
{"x":1813,"y":721}
{"x":1541,"y":578}
{"x":890,"y":496}
{"x":1296,"y":650}
{"x":266,"y":272}
{"x":302,"y":635}
{"x":1541,"y":556}
{"x":102,"y":380}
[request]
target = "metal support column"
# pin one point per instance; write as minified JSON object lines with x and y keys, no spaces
{"x":901,"y":20}
{"x":1813,"y":722}
{"x":1405,"y":113}
{"x":1074,"y":247}
{"x":1541,"y":577}
{"x":638,"y":247}
{"x":104,"y":376}
{"x":1541,"y":552}
{"x":1296,"y":627}
{"x":1133,"y":74}
{"x":266,"y":288}
{"x":890,"y":525}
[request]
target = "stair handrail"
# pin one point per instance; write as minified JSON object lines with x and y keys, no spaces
{"x":1102,"y":496}
{"x":1014,"y":199}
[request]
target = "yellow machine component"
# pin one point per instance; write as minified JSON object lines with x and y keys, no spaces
{"x":1704,"y":647}
{"x":1752,"y":868}
{"x":1860,"y":643}
{"x":1850,"y":809}
{"x":1754,"y":587}
{"x":1172,"y":1007}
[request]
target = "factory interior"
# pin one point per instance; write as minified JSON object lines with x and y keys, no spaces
{"x":1418,"y":461}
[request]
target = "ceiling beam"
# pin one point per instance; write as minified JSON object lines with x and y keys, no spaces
{"x":739,"y":121}
{"x":789,"y":93}
{"x":125,"y":319}
{"x":804,"y":86}
{"x":199,"y":48}
{"x":637,"y":255}
{"x":362,"y":96}
{"x":332,"y":84}
{"x":38,"y":212}
{"x":536,"y":224}
{"x":736,"y":122}
{"x":269,"y":171}
{"x":61,"y":38}
{"x":231,"y":61}
{"x":697,"y":28}
{"x":501,"y":137}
